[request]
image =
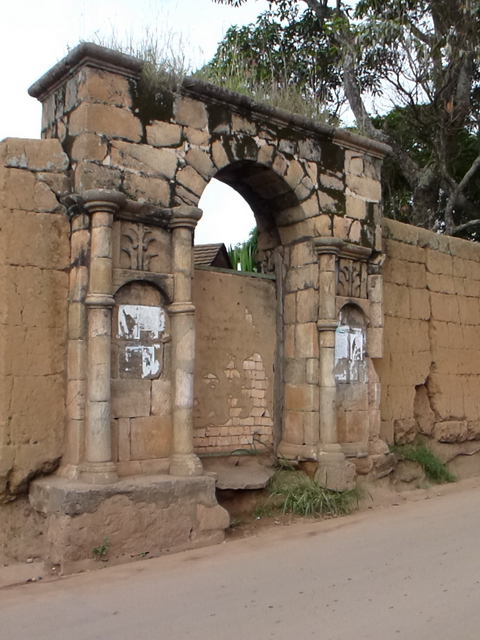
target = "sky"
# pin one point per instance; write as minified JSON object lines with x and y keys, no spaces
{"x":35,"y":35}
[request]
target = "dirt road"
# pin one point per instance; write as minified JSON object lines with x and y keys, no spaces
{"x":407,"y":572}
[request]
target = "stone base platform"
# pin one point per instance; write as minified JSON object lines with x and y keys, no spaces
{"x":142,"y":516}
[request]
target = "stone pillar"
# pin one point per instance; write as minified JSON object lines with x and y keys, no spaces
{"x":99,"y":468}
{"x":183,"y":461}
{"x":333,"y":470}
{"x":77,"y":337}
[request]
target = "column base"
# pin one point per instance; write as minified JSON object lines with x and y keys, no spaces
{"x":186,"y":465}
{"x":334,"y":472}
{"x":297,"y":451}
{"x":99,"y":473}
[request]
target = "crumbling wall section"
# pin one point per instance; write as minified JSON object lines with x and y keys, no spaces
{"x":430,"y":370}
{"x":34,"y":264}
{"x":235,"y":348}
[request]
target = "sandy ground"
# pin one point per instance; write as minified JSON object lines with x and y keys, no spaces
{"x":406,"y":571}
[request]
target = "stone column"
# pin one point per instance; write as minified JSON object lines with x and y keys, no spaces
{"x":77,"y":337}
{"x":333,"y":470}
{"x":99,"y":468}
{"x":183,"y":461}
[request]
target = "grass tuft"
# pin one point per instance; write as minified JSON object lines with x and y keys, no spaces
{"x":294,"y":492}
{"x":434,"y":468}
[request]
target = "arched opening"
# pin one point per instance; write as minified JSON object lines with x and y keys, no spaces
{"x":227,"y":217}
{"x":239,"y":328}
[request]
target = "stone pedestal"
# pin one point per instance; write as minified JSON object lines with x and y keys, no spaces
{"x":182,"y":513}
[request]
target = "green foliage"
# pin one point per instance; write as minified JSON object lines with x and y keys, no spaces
{"x":282,"y":60}
{"x":101,"y":550}
{"x":243,"y":253}
{"x":293,"y":491}
{"x":416,"y":62}
{"x":434,"y":468}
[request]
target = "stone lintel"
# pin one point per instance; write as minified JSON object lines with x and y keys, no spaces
{"x":86,"y":54}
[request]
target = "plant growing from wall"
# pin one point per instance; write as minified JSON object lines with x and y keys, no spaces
{"x":434,"y":468}
{"x":101,"y":551}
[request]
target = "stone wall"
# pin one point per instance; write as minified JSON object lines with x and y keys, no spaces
{"x":431,"y":365}
{"x":34,"y":281}
{"x":235,"y":348}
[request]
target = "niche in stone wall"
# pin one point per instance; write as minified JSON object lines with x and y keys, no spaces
{"x":141,"y":377}
{"x":351,"y":380}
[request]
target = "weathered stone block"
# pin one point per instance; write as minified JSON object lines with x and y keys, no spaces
{"x":240,"y":123}
{"x":219,"y":155}
{"x":151,"y":437}
{"x":196,"y":136}
{"x":106,"y":120}
{"x":295,"y":174}
{"x":154,"y":190}
{"x":209,"y":518}
{"x":131,"y":398}
{"x":99,"y":85}
{"x":438,"y":262}
{"x":301,"y":397}
{"x":164,"y":134}
{"x":191,"y":113}
{"x":192,"y":180}
{"x":307,"y":306}
{"x":143,"y":158}
{"x":451,"y":431}
{"x":293,"y":427}
{"x":354,"y":163}
{"x":35,"y":155}
{"x":364,"y":187}
{"x":200,"y":161}
{"x":161,"y":397}
{"x":23,"y":190}
{"x":355,"y":207}
{"x":306,"y":340}
{"x":89,"y":175}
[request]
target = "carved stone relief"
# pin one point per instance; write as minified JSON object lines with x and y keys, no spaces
{"x":351,"y":279}
{"x":143,"y":248}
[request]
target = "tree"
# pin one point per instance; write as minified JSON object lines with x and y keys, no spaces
{"x":422,"y":59}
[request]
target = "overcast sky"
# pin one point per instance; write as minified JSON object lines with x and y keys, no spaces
{"x":35,"y":34}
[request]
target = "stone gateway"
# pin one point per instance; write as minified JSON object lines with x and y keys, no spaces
{"x":123,"y":367}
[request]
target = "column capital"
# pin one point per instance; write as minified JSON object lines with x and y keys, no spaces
{"x":328,"y":244}
{"x":185,"y":216}
{"x":93,"y":200}
{"x":107,"y":200}
{"x":326,"y":324}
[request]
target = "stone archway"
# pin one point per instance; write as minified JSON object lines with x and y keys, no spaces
{"x":315,"y":191}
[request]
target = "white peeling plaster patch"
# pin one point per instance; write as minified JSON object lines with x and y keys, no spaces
{"x":248,"y":316}
{"x":133,"y":319}
{"x":349,"y":351}
{"x":148,"y":355}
